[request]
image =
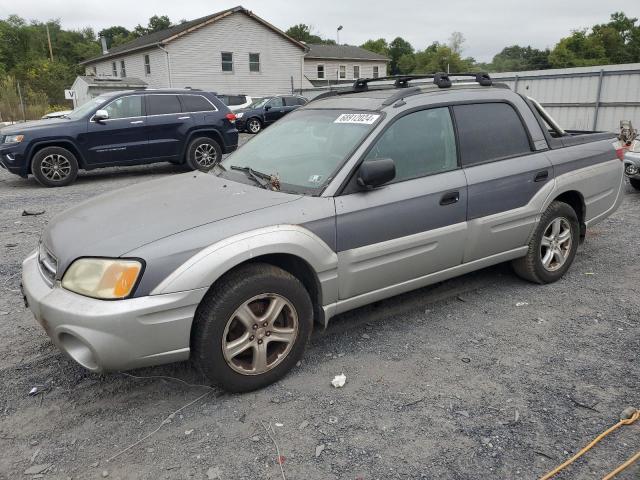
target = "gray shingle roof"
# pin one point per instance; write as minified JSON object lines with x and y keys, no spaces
{"x":342,"y":52}
{"x":157,"y":38}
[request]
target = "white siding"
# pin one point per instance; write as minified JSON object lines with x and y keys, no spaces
{"x":134,"y":66}
{"x":331,"y":68}
{"x":196,"y":58}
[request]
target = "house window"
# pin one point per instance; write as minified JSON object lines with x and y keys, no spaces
{"x":343,"y":71}
{"x":147,"y":65}
{"x":114,"y":69}
{"x":94,"y":69}
{"x":376,"y":72}
{"x":227,"y":62}
{"x":254,"y":62}
{"x":123,"y":70}
{"x":356,"y":72}
{"x":320,"y":71}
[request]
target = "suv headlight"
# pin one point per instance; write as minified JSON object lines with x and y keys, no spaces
{"x":239,"y":115}
{"x":13,"y":138}
{"x":102,"y":278}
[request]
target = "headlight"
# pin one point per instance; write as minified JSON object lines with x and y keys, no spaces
{"x":239,"y":115}
{"x":102,"y":278}
{"x":13,"y":138}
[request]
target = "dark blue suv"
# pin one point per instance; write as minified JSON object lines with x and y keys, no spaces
{"x":188,"y":127}
{"x":264,"y":111}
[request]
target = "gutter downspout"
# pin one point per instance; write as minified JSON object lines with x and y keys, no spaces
{"x":168,"y":64}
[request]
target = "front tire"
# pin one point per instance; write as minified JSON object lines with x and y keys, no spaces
{"x":254,"y":125}
{"x":54,"y":167}
{"x":552,"y":247}
{"x":203,"y":153}
{"x":635,"y":183}
{"x":252,"y":327}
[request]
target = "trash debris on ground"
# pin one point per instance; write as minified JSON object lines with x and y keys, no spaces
{"x":339,"y":380}
{"x":465,"y":360}
{"x":32,"y":213}
{"x":188,"y":432}
{"x":303,"y":425}
{"x":38,"y":469}
{"x":38,"y":389}
{"x":279,"y":424}
{"x":11,"y":245}
{"x":319,"y":449}
{"x":522,"y":304}
{"x":333,"y":419}
{"x":255,"y":438}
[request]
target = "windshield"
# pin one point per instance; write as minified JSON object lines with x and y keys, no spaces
{"x":304,"y":149}
{"x":258,"y":102}
{"x":85,"y":108}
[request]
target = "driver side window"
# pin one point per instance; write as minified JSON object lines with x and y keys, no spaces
{"x":125,"y":107}
{"x":275,"y":102}
{"x":420,"y":143}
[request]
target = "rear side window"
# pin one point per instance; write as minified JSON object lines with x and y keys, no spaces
{"x":224,"y":99}
{"x":293,"y":101}
{"x":162,"y":104}
{"x":237,"y":99}
{"x":489,"y":131}
{"x":196,"y":103}
{"x":276,"y":102}
{"x":421,"y":143}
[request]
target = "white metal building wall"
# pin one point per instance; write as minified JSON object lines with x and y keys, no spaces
{"x":584,"y":98}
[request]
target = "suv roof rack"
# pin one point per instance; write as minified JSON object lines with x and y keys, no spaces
{"x":441,"y":79}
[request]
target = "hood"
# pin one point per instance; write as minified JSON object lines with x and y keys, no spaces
{"x":113,"y":224}
{"x":34,"y":125}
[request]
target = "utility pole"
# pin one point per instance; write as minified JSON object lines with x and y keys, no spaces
{"x":24,"y":116}
{"x":49,"y":40}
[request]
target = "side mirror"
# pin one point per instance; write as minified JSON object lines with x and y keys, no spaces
{"x":101,"y":115}
{"x":267,"y":107}
{"x":373,"y":173}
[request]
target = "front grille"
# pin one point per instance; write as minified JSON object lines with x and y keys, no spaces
{"x":48,"y":265}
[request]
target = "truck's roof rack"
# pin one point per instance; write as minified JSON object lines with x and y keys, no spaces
{"x":441,"y":79}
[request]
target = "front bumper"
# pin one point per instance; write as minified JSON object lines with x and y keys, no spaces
{"x":632,"y":164}
{"x":111,"y":335}
{"x":12,"y":158}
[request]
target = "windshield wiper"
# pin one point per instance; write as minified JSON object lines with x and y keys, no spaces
{"x":262,"y":179}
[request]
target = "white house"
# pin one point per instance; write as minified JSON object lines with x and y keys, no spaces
{"x":329,"y":64}
{"x":233,"y":51}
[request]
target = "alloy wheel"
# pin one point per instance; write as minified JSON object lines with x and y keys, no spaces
{"x":205,"y":155}
{"x":254,"y":126}
{"x":55,"y":167}
{"x":260,"y":334}
{"x":556,"y":243}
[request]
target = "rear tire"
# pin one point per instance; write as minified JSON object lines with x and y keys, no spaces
{"x":54,"y":167}
{"x":254,"y":125}
{"x":235,"y":340}
{"x":203,"y":153}
{"x":635,"y":183}
{"x":552,"y":247}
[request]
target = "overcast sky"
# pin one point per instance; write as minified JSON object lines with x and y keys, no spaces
{"x":487,"y":25}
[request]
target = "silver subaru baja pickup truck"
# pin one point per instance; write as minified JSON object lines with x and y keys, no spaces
{"x":391,"y":185}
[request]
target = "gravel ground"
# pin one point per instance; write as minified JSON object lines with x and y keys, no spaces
{"x":483,"y":376}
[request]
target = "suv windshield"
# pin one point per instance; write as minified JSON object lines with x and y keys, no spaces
{"x":304,"y":149}
{"x":87,"y":107}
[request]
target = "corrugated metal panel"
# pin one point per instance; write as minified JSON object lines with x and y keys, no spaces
{"x":196,"y":58}
{"x":571,"y":94}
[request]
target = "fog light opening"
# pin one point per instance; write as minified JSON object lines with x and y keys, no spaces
{"x":78,"y":350}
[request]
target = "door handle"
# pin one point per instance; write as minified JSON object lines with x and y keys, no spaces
{"x":137,"y":121}
{"x":541,"y":176}
{"x":449,"y":198}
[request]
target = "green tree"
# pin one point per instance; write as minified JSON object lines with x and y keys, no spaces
{"x":397,"y":48}
{"x":516,"y":58}
{"x":406,"y":63}
{"x":302,"y":33}
{"x":379,"y":46}
{"x":155,"y":24}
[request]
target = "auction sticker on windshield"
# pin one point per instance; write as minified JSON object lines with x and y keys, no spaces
{"x":361,"y":118}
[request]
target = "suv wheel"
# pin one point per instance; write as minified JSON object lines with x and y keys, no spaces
{"x":203,"y":153}
{"x":252,"y":327}
{"x":54,"y":167}
{"x":254,"y":125}
{"x":635,"y":183}
{"x":552,"y":247}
